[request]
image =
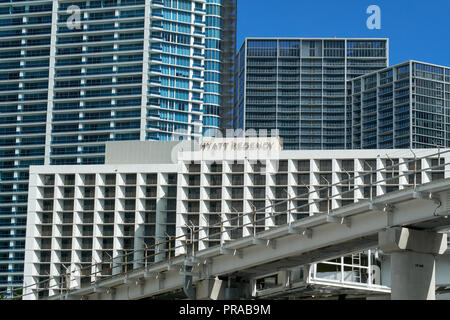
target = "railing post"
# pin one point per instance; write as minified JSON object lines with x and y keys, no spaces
{"x":328,"y":195}
{"x":193,"y":240}
{"x":393,"y":170}
{"x":371,"y":180}
{"x":371,"y":185}
{"x":95,"y":271}
{"x":415,"y":173}
{"x":170,"y":245}
{"x":221,"y":230}
{"x":145,"y":257}
{"x":415,"y":168}
{"x":288,"y":206}
{"x":61,"y":289}
{"x":170,"y":248}
{"x":349,"y":180}
{"x":254,"y":224}
{"x":192,"y":229}
{"x":253,"y":213}
{"x":369,"y":268}
{"x":439,"y":155}
{"x":67,"y":282}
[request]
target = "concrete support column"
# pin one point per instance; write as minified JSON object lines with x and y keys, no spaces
{"x":215,"y":289}
{"x":413,"y":256}
{"x":232,"y":290}
{"x":210,"y":289}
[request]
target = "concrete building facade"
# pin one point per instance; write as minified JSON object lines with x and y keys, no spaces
{"x":87,"y":215}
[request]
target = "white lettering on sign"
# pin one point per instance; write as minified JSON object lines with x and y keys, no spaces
{"x":237,"y":146}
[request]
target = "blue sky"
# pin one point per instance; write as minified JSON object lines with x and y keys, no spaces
{"x":417,"y":29}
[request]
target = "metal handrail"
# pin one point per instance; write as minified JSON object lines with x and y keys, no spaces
{"x":251,"y":223}
{"x":146,"y":256}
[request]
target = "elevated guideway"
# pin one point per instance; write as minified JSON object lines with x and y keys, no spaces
{"x":347,"y":230}
{"x":408,"y":224}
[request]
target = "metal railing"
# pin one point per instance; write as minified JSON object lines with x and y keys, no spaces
{"x":190,"y":239}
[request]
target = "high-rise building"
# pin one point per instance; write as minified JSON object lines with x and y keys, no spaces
{"x":403,"y":106}
{"x":298,"y":86}
{"x":75,"y":74}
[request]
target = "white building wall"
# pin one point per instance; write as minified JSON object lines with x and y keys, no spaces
{"x":132,"y":207}
{"x":298,"y":177}
{"x":84,"y":216}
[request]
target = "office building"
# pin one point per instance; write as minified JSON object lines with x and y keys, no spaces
{"x":298,"y":86}
{"x":76,"y":74}
{"x":83,"y":215}
{"x":403,"y":106}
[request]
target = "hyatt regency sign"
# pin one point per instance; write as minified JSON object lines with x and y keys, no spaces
{"x":236,"y":149}
{"x":240,"y":144}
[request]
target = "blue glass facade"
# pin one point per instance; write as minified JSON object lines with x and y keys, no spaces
{"x":404,"y":106}
{"x":131,"y":70}
{"x":25,"y":37}
{"x":298,"y":86}
{"x":219,"y":58}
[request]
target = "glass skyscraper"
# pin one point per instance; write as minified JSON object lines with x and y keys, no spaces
{"x":75,"y":74}
{"x":298,"y":86}
{"x":404,"y":106}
